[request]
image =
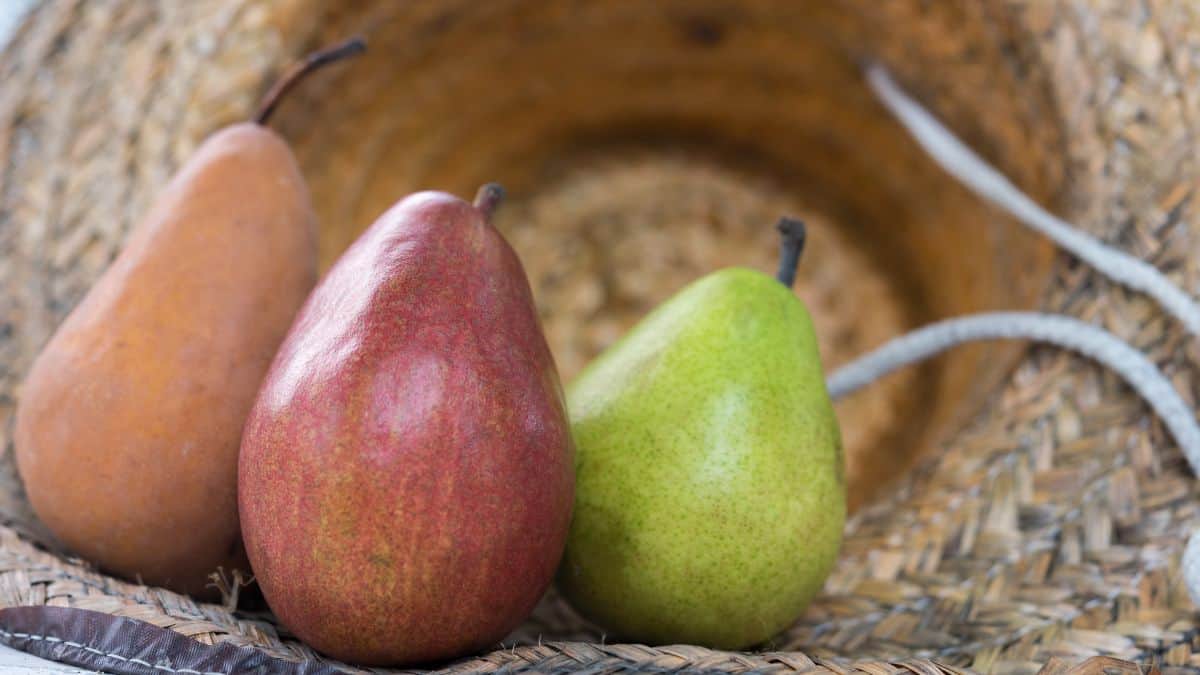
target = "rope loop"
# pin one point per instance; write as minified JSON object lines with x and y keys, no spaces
{"x":1132,"y":365}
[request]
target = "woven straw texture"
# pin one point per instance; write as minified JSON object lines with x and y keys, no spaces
{"x":1019,"y":510}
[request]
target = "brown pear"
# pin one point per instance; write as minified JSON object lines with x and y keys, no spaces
{"x":129,"y":423}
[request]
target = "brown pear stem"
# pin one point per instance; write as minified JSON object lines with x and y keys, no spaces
{"x":790,"y":248}
{"x":488,"y":198}
{"x":297,"y":71}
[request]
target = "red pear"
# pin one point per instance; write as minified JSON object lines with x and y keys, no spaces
{"x":405,"y":476}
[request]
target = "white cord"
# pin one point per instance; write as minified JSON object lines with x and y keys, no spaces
{"x":1096,"y":343}
{"x":1105,"y":348}
{"x":1146,"y":379}
{"x":961,"y":162}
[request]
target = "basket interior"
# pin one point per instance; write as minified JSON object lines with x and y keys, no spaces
{"x":645,"y":145}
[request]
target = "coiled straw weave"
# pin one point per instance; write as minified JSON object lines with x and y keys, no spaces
{"x":1018,"y":510}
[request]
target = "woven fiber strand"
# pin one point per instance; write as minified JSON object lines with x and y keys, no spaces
{"x":1044,"y":531}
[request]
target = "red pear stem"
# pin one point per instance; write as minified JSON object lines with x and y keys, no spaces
{"x":297,"y":71}
{"x":488,"y":199}
{"x":790,"y":248}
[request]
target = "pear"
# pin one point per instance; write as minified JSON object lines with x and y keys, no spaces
{"x":406,"y":473}
{"x":129,"y":422}
{"x":710,"y":490}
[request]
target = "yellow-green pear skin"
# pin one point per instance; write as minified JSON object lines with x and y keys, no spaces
{"x":710,"y":488}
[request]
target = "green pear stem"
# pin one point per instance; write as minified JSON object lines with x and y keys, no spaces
{"x":790,"y":248}
{"x":488,"y":198}
{"x":297,"y":71}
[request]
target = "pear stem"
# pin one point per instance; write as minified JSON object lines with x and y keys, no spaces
{"x":790,"y":248}
{"x":488,"y":198}
{"x":297,"y":71}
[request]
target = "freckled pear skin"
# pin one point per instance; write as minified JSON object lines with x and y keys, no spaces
{"x":129,"y":422}
{"x":406,"y":475}
{"x":709,"y":488}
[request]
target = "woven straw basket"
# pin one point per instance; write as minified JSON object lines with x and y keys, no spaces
{"x":1015,"y":508}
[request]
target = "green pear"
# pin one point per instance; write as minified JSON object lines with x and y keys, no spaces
{"x":710,"y":488}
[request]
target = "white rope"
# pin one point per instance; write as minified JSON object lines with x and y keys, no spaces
{"x":1141,"y":374}
{"x":961,"y":162}
{"x":1105,"y":348}
{"x":1133,"y":366}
